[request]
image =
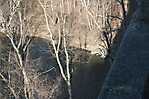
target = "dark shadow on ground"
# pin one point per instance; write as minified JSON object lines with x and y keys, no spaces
{"x":87,"y":78}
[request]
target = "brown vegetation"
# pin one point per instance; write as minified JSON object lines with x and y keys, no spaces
{"x":47,"y":47}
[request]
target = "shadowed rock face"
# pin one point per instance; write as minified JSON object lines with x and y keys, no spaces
{"x":145,"y":10}
{"x":126,"y":77}
{"x":146,"y":89}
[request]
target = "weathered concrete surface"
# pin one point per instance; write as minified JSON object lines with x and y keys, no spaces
{"x":126,"y":77}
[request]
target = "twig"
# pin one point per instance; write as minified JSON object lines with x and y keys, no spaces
{"x":44,"y":72}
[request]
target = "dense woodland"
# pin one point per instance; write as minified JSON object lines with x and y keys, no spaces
{"x":66,"y":49}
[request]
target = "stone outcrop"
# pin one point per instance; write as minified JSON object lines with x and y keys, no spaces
{"x":126,"y":77}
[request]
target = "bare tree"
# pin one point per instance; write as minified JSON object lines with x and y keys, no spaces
{"x":62,"y":20}
{"x":15,"y":29}
{"x":66,"y":76}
